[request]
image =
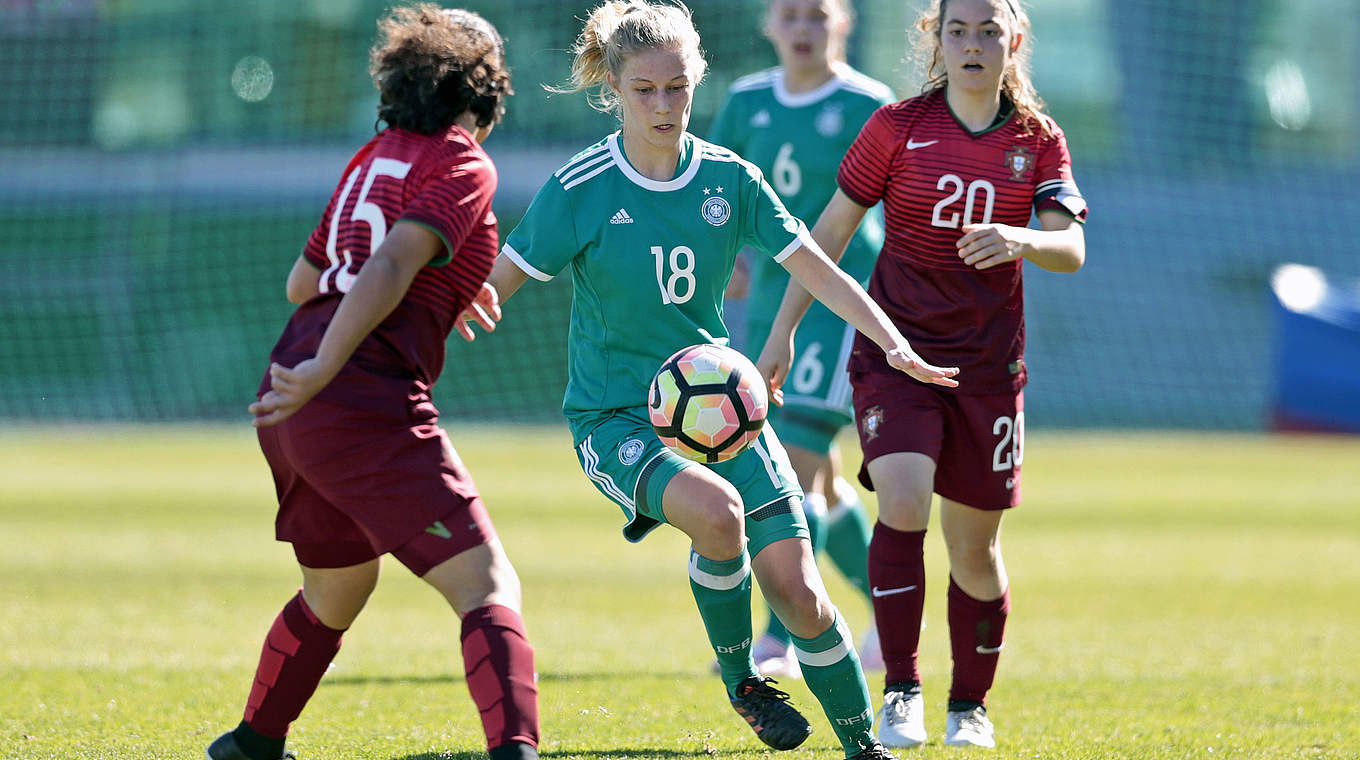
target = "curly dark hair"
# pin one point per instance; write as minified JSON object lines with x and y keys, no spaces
{"x":431,"y":65}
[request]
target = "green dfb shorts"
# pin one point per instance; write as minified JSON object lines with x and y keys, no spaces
{"x":622,"y":456}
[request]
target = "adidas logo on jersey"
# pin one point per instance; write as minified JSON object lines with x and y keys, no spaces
{"x":621,"y":218}
{"x":761,"y":119}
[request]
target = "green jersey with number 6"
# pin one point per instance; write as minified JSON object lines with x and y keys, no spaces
{"x":649,"y":259}
{"x":798,"y":140}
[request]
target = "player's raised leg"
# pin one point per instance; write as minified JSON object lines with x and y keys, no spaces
{"x":709,"y":510}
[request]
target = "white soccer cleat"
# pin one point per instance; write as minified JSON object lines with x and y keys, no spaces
{"x":870,"y":652}
{"x":902,"y":720}
{"x":969,"y":728}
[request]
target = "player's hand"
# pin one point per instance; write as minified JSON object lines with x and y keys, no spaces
{"x":774,"y":362}
{"x":984,"y":246}
{"x":485,"y":309}
{"x":289,"y":390}
{"x":907,"y":361}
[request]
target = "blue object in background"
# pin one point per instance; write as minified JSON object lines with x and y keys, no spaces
{"x":1317,"y":352}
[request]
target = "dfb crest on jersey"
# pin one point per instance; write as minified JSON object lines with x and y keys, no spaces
{"x":631,"y":451}
{"x":1018,"y":160}
{"x":716,"y":210}
{"x":830,"y":120}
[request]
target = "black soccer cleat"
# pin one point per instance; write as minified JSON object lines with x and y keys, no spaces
{"x":874,"y":751}
{"x":771,"y":716}
{"x":226,"y":748}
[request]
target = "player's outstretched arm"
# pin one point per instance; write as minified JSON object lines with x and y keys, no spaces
{"x":485,"y":310}
{"x":829,"y":284}
{"x":382,"y":282}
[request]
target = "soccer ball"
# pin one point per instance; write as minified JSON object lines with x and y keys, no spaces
{"x":707,"y":403}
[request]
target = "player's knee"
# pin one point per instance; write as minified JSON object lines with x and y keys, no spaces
{"x":977,"y":555}
{"x":803,"y":611}
{"x":906,"y":508}
{"x":719,"y":518}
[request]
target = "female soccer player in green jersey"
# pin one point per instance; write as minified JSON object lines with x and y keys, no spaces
{"x":650,"y":220}
{"x":795,"y":121}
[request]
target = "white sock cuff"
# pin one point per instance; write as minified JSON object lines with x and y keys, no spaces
{"x":714,"y":581}
{"x":835,"y":654}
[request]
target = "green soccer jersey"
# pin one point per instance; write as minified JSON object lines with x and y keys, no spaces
{"x":649,"y":259}
{"x":798,"y":140}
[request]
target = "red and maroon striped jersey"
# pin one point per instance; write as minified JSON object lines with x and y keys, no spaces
{"x":933,"y":176}
{"x":444,"y":182}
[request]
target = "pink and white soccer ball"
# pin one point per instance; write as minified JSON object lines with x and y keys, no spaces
{"x":707,"y":403}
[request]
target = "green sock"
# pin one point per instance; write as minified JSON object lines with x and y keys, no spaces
{"x":723,"y":592}
{"x":847,"y":540}
{"x":814,"y":509}
{"x":833,"y":674}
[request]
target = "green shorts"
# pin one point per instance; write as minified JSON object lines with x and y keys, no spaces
{"x":625,"y":460}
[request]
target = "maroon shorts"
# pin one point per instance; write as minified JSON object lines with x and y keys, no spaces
{"x":977,"y":442}
{"x":354,"y":484}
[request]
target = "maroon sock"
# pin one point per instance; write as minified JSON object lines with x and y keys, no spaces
{"x":976,"y":632}
{"x":296,"y":653}
{"x":897,"y":575}
{"x":500,"y":675}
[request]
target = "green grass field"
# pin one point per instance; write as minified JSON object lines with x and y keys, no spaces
{"x":1175,"y":596}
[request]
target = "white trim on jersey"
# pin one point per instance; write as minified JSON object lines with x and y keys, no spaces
{"x":718,"y":582}
{"x":756,"y":81}
{"x":565,"y":174}
{"x":801,"y":238}
{"x":802,"y":99}
{"x":843,"y":78}
{"x":840,"y":392}
{"x":584,"y":156}
{"x":864,"y":84}
{"x":606,"y":483}
{"x":524,"y":265}
{"x":636,"y":177}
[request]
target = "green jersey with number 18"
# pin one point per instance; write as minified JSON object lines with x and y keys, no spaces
{"x":649,"y":259}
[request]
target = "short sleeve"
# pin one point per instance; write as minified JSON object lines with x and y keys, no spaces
{"x":724,"y":131}
{"x":1055,"y":188}
{"x":544,"y":241}
{"x":453,"y":199}
{"x":315,"y":249}
{"x":769,"y":225}
{"x":863,"y":174}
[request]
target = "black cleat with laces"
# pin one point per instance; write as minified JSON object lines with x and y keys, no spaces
{"x":225,"y":747}
{"x":874,"y":751}
{"x":771,"y":716}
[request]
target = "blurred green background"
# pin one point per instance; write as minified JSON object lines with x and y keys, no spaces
{"x":162,"y":162}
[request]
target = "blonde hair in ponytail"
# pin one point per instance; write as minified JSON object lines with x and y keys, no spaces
{"x":619,"y":28}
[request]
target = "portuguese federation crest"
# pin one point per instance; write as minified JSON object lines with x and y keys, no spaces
{"x":871,"y":421}
{"x":1019,"y":160}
